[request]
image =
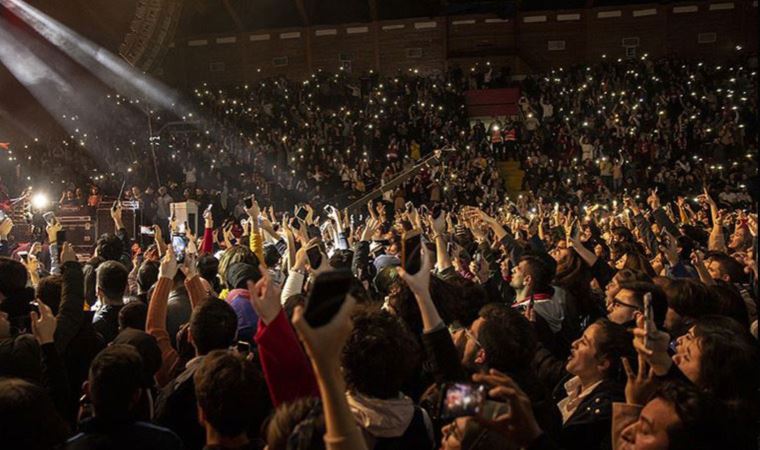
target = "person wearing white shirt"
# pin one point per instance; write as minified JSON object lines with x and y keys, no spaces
{"x":596,"y":379}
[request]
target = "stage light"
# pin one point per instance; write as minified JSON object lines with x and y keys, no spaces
{"x":40,"y":201}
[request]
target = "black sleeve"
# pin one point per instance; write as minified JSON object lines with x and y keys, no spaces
{"x":89,"y":284}
{"x":443,"y":356}
{"x":549,"y":369}
{"x":54,"y":378}
{"x":71,"y":311}
{"x":602,"y":272}
{"x":646,"y":233}
{"x":543,"y":442}
{"x":360,"y":261}
{"x":664,"y":221}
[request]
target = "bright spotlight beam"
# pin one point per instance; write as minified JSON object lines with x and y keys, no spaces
{"x":110,"y":69}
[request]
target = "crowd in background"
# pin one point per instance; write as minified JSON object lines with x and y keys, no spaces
{"x":611,"y":304}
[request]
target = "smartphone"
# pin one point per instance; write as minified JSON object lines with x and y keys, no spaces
{"x":314,"y":253}
{"x":295,"y":223}
{"x":208,"y":208}
{"x":409,"y":206}
{"x":49,"y":217}
{"x":411,"y":248}
{"x":179,"y":245}
{"x":243,"y":347}
{"x":647,"y":314}
{"x":147,"y":231}
{"x":34,"y":306}
{"x":437,"y":210}
{"x":60,"y":237}
{"x":302,"y":213}
{"x":327,"y":296}
{"x":24,"y":256}
{"x":2,"y":215}
{"x":461,"y":399}
{"x":248,"y":202}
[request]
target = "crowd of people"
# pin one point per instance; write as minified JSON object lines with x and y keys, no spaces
{"x":611,"y":304}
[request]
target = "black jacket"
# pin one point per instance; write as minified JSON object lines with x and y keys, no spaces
{"x":75,"y":338}
{"x":106,"y":321}
{"x":97,"y":435}
{"x":176,"y":408}
{"x":589,"y":428}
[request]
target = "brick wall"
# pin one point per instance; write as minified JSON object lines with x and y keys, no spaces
{"x":528,"y":42}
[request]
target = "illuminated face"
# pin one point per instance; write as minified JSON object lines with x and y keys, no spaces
{"x":738,"y":239}
{"x":620,"y":263}
{"x":504,"y":266}
{"x":621,"y":308}
{"x":518,"y":276}
{"x":583,"y":360}
{"x":467,"y":341}
{"x":714,"y":268}
{"x":650,"y":432}
{"x":560,"y":252}
{"x":688,"y":355}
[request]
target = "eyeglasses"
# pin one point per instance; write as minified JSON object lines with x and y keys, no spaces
{"x":617,"y":303}
{"x":469,"y":335}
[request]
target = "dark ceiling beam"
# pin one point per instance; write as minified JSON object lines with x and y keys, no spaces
{"x":372,"y":10}
{"x":234,"y":15}
{"x":301,"y":6}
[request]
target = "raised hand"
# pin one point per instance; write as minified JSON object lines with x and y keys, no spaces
{"x":168,"y":266}
{"x":671,"y":249}
{"x":190,"y":263}
{"x":419,"y":283}
{"x":653,"y":200}
{"x":301,"y":257}
{"x":254,"y":211}
{"x":67,"y":253}
{"x":640,"y":385}
{"x":43,"y":324}
{"x":652,"y":346}
{"x":519,"y":424}
{"x":325,"y":344}
{"x":52,"y":231}
{"x":265,"y":297}
{"x":32,"y":264}
{"x":369,"y":229}
{"x":208,"y":219}
{"x":157,"y":234}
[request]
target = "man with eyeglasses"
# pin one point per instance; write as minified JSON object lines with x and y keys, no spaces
{"x":629,"y":299}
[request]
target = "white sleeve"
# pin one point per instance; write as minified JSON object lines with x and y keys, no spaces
{"x":293,"y":286}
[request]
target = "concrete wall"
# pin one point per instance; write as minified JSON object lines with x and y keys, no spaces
{"x":433,"y":44}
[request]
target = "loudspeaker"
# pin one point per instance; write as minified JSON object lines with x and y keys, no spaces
{"x":80,"y":232}
{"x":129,"y":215}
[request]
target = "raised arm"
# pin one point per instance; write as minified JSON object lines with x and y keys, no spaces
{"x":443,"y":260}
{"x":155,"y":325}
{"x":207,"y":245}
{"x":286,"y":368}
{"x":436,"y":336}
{"x":71,"y":310}
{"x":716,"y":241}
{"x":325,"y":345}
{"x":256,"y":242}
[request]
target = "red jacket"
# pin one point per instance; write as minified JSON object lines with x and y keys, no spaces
{"x":287,"y":369}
